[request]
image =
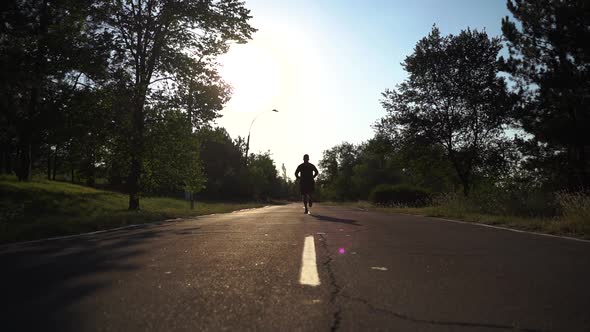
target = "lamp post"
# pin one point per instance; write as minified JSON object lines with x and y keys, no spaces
{"x":250,"y":129}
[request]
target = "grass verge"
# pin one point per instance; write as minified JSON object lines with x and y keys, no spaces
{"x":41,"y":209}
{"x":572,"y":222}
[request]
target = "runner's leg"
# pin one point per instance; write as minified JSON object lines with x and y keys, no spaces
{"x":310,"y":193}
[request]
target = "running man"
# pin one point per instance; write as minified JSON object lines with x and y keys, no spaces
{"x":306,"y":174}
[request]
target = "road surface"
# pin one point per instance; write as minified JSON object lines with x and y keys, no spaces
{"x":277,"y":269}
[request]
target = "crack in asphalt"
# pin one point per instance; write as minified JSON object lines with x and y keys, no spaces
{"x":434,"y":322}
{"x":337,"y":317}
{"x":336,"y":293}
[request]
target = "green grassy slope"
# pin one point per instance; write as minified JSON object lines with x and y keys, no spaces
{"x":41,"y":208}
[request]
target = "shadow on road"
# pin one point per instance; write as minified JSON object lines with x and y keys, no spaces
{"x":40,"y":282}
{"x":334,"y":219}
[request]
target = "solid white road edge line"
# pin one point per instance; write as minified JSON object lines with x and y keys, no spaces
{"x":512,"y":229}
{"x":309,"y":270}
{"x":498,"y":227}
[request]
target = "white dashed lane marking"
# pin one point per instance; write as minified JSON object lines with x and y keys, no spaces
{"x":380,"y":268}
{"x":309,"y":270}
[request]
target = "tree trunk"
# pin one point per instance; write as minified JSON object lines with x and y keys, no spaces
{"x":54,"y":162}
{"x":582,"y":164}
{"x":133,"y":184}
{"x":192,"y":195}
{"x":90,"y":177}
{"x":461,"y":172}
{"x":90,"y":171}
{"x":29,"y":164}
{"x":466,"y":187}
{"x":6,"y":158}
{"x":3,"y":158}
{"x":143,"y":74}
{"x":49,"y":163}
{"x":16,"y":160}
{"x":24,"y":166}
{"x":38,"y":75}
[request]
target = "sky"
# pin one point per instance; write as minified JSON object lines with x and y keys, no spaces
{"x":323,"y":64}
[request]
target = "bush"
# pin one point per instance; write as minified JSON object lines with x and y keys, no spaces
{"x":510,"y":200}
{"x":575,"y":212}
{"x":401,"y":194}
{"x":449,"y":204}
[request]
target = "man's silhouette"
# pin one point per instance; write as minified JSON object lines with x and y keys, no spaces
{"x":306,"y":174}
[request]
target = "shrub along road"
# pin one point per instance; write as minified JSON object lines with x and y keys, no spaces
{"x":275,"y":268}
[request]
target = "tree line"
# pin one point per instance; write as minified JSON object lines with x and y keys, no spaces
{"x":469,"y":117}
{"x":123,"y":93}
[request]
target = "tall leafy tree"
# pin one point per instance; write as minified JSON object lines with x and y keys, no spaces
{"x":337,"y":170}
{"x":374,"y":166}
{"x":383,"y":160}
{"x":453,"y":97}
{"x":222,"y":161}
{"x":171,"y":159}
{"x":46,"y":49}
{"x":262,"y":179}
{"x":549,"y":59}
{"x":168,"y":48}
{"x":83,"y":131}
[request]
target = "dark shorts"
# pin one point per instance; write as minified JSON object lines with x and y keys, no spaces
{"x":307,"y":187}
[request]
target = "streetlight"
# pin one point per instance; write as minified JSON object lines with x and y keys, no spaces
{"x":248,"y":141}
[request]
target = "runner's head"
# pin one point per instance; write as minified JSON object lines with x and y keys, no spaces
{"x":306,"y":157}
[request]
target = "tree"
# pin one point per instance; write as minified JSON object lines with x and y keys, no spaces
{"x":284,"y":173}
{"x":195,"y":179}
{"x":383,"y":160}
{"x":337,"y":165}
{"x":549,"y":60}
{"x":287,"y":186}
{"x":262,"y":179}
{"x":172,"y":154}
{"x":352,"y":171}
{"x":376,"y":164}
{"x":453,"y":98}
{"x":221,"y":158}
{"x":169,"y":50}
{"x":46,"y":49}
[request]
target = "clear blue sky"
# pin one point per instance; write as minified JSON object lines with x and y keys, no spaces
{"x":323,"y":65}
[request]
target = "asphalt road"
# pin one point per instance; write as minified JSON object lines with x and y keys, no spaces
{"x":243,"y":271}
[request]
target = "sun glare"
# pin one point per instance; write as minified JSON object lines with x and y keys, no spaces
{"x":255,"y":73}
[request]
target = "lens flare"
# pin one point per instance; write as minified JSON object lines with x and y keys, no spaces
{"x":341,"y":251}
